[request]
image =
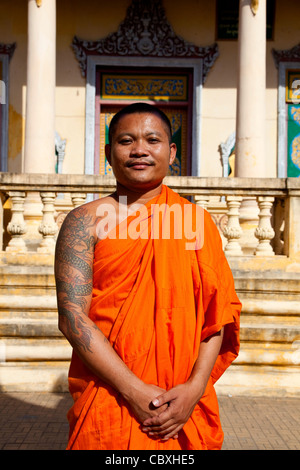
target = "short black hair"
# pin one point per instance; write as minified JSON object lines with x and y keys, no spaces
{"x":139,"y":108}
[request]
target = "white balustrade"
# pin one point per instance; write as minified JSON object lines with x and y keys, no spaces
{"x":17,"y":227}
{"x":274,"y":230}
{"x":48,"y":227}
{"x":264,"y":232}
{"x":78,"y":199}
{"x":202,"y":200}
{"x":233,"y":231}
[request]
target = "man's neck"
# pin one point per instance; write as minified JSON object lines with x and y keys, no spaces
{"x":137,"y":196}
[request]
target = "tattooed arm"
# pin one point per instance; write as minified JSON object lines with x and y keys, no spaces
{"x":74,"y":283}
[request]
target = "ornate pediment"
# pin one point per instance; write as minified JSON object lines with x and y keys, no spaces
{"x":145,"y":32}
{"x":287,"y":55}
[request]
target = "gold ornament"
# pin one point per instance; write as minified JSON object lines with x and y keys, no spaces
{"x":254,"y":6}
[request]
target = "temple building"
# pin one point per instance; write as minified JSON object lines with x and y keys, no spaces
{"x":227,"y":74}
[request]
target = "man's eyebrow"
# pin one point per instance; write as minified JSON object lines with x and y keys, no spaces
{"x":154,"y":133}
{"x":122,"y":134}
{"x":131,"y":134}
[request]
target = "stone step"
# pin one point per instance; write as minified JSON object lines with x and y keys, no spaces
{"x":34,"y":349}
{"x":260,"y":380}
{"x":24,"y":280}
{"x":271,"y":307}
{"x":27,"y":302}
{"x":35,"y":356}
{"x":277,"y":354}
{"x":23,"y":327}
{"x":45,"y":323}
{"x":37,"y":376}
{"x":237,"y":380}
{"x":58,"y":349}
{"x":269,"y":329}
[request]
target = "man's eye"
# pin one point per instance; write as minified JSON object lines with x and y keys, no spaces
{"x":125,"y":141}
{"x":153,"y":140}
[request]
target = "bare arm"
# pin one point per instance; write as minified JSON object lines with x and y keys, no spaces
{"x":183,"y":398}
{"x":74,"y":283}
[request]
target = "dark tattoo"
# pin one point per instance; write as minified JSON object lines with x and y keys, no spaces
{"x":74,"y":275}
{"x":77,"y":329}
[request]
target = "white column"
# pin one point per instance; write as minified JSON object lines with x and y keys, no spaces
{"x":40,"y":96}
{"x":250,"y":159}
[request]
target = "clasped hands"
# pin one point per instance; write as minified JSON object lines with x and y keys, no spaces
{"x":168,"y":411}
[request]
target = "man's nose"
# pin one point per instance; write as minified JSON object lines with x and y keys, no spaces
{"x":139,"y":149}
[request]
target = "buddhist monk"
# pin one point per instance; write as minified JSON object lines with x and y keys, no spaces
{"x":147,"y":301}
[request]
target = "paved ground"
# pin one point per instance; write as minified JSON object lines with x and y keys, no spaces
{"x":37,"y":421}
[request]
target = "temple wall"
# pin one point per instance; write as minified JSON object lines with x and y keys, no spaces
{"x":95,"y":20}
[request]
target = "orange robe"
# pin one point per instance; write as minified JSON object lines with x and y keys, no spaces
{"x":156,"y":301}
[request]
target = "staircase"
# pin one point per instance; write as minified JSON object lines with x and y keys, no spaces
{"x":34,"y":356}
{"x":269,"y":359}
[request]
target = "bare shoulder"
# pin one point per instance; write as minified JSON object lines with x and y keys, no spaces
{"x":81,"y":222}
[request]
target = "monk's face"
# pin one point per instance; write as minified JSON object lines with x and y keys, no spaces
{"x":140,"y":152}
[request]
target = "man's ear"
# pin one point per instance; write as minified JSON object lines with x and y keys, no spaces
{"x":108,"y":153}
{"x":173,"y":150}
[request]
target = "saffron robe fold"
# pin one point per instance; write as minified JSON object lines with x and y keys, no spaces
{"x":155,"y":300}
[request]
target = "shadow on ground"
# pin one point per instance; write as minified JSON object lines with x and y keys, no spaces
{"x":34,"y":421}
{"x":37,"y":421}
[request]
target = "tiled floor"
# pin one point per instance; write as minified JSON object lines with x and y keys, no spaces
{"x":37,"y":421}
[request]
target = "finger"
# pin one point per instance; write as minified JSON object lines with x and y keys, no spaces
{"x":173,"y":434}
{"x":166,"y":433}
{"x":159,"y":419}
{"x":160,"y":435}
{"x":164,"y":398}
{"x":159,"y":428}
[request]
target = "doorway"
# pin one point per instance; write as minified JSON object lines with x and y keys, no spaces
{"x":169,"y":89}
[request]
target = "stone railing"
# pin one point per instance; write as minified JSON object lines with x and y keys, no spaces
{"x":259,"y":222}
{"x":262,"y":213}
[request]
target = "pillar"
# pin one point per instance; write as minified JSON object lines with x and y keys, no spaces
{"x":250,"y":159}
{"x":39,"y":156}
{"x":39,"y":153}
{"x":250,"y":154}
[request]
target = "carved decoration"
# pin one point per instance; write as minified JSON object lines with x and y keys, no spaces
{"x":288,"y":55}
{"x":264,"y":232}
{"x":233,"y":230}
{"x":8,"y":49}
{"x":226,"y":149}
{"x":60,"y":147}
{"x":144,"y":32}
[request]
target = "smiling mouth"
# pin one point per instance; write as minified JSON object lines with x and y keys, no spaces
{"x":139,"y":165}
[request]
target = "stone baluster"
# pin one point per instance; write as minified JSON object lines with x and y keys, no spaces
{"x":48,"y":227}
{"x":17,"y":226}
{"x":233,"y":231}
{"x":78,"y":199}
{"x":202,"y":201}
{"x":264,"y":232}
